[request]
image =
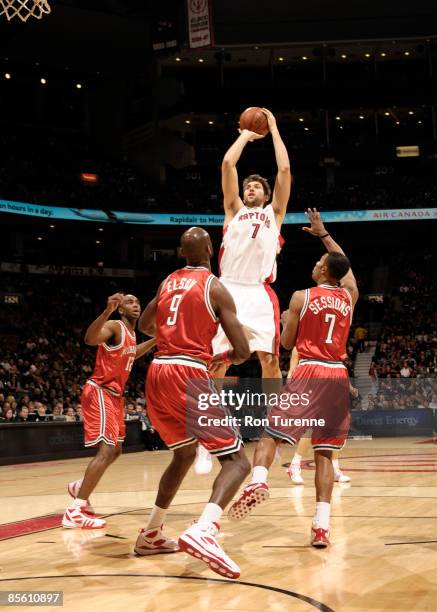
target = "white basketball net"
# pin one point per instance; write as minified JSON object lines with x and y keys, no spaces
{"x":23,"y":9}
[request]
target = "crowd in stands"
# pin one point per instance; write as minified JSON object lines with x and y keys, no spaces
{"x":404,"y":368}
{"x":45,"y":167}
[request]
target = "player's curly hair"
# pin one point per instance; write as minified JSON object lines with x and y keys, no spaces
{"x":264,"y":182}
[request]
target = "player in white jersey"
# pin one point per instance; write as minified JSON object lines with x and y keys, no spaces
{"x":251,"y":242}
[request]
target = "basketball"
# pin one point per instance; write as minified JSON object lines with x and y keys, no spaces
{"x":255,"y":120}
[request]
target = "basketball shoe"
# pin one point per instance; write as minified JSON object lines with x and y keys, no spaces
{"x":250,"y":497}
{"x":340,"y":477}
{"x":73,"y":489}
{"x":200,"y":541}
{"x":76,"y":517}
{"x":295,"y":474}
{"x":203,"y":463}
{"x":153,"y":542}
{"x":319,"y":537}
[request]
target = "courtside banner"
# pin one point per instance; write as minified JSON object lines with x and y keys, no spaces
{"x":100,"y":216}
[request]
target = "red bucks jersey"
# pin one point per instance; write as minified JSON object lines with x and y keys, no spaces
{"x":324,"y":323}
{"x":250,"y":245}
{"x":114,"y":363}
{"x":185,"y":320}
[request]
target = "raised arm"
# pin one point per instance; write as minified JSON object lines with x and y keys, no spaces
{"x":290,"y":320}
{"x":145,"y":347}
{"x":281,"y":192}
{"x":318,"y":229}
{"x":224,"y":307}
{"x":231,"y":197}
{"x":146,"y":322}
{"x":101,"y":330}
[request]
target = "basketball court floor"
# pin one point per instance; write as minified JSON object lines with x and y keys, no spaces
{"x":384,"y":534}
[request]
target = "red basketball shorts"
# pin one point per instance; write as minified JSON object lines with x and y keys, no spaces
{"x":316,"y":397}
{"x":103,"y":415}
{"x":174,"y":387}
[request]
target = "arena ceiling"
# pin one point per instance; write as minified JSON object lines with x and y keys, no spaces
{"x":117,"y":35}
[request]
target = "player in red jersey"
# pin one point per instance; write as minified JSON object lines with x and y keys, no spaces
{"x":317,"y":323}
{"x":102,"y":400}
{"x":185,"y":315}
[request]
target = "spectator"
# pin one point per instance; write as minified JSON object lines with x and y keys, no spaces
{"x":7,"y":417}
{"x":23,"y":415}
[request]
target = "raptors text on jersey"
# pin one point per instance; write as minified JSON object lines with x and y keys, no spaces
{"x":114,"y":363}
{"x":324,"y":323}
{"x":185,"y":320}
{"x":251,"y":242}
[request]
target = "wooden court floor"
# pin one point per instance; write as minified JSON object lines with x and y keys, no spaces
{"x":383,"y":555}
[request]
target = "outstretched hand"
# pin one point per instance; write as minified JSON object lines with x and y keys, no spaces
{"x":251,"y":136}
{"x":271,"y":119}
{"x":114,"y":301}
{"x":317,"y":228}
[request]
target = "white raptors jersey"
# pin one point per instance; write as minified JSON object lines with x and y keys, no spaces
{"x":250,"y":244}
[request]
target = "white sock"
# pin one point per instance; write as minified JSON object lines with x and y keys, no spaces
{"x":335,"y":465}
{"x":212,"y":513}
{"x":77,"y":502}
{"x":321,"y":517}
{"x":296,"y":459}
{"x":156,"y":518}
{"x":259,"y":474}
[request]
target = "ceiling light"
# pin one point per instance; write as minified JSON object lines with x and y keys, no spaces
{"x":337,"y":118}
{"x":301,"y":119}
{"x":52,"y":226}
{"x":304,"y":57}
{"x":343,"y":56}
{"x":78,"y":86}
{"x":97,"y":241}
{"x":361,"y":117}
{"x":43,"y":81}
{"x":406,"y":53}
{"x":187,"y":121}
{"x":367,"y":55}
{"x":39,"y":238}
{"x":410,"y":112}
{"x":210,"y":122}
{"x":177,"y":59}
{"x":280,"y":59}
{"x":306,"y":129}
{"x":398,"y":122}
{"x":200,"y":60}
{"x":387,"y":114}
{"x":420,"y":121}
{"x":100,"y":229}
{"x":7,"y":75}
{"x":383,"y":54}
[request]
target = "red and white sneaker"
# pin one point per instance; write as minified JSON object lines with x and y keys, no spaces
{"x":153,"y":542}
{"x":76,"y":517}
{"x":200,"y":541}
{"x":251,"y":496}
{"x":319,"y":537}
{"x":73,"y":489}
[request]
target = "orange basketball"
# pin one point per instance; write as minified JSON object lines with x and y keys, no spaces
{"x":255,"y":120}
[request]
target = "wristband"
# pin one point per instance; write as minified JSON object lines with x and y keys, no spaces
{"x":226,"y":356}
{"x":324,"y":235}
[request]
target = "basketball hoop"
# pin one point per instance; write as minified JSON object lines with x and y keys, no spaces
{"x":23,"y":9}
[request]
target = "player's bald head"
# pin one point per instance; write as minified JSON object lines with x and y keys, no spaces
{"x":196,"y":246}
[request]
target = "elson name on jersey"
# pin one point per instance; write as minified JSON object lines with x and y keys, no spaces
{"x":320,"y":303}
{"x":184,"y":283}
